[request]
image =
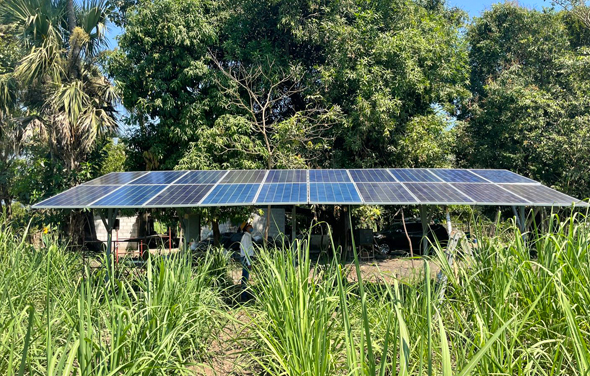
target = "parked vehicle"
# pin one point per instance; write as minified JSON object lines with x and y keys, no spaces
{"x":395,"y":236}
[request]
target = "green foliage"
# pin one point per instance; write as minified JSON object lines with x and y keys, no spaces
{"x":530,"y":107}
{"x":59,"y":317}
{"x":387,"y":63}
{"x":322,"y":84}
{"x":500,"y":311}
{"x":114,"y":157}
{"x":162,"y":73}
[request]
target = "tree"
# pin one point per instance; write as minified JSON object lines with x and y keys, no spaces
{"x":162,"y":73}
{"x":530,"y":105}
{"x":58,"y":83}
{"x":578,"y":8}
{"x":263,"y":99}
{"x":395,"y":68}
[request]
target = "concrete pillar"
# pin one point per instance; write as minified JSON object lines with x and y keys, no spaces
{"x":192,"y":227}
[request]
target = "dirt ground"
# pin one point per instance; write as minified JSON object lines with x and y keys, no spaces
{"x":380,"y":270}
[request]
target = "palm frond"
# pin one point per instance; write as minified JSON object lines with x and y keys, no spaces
{"x":43,"y":61}
{"x":71,"y":99}
{"x":37,"y":20}
{"x":92,"y":18}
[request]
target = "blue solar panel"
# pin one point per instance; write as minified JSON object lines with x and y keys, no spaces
{"x":437,"y":193}
{"x":328,"y":176}
{"x":371,"y":176}
{"x":201,"y":177}
{"x":540,"y":195}
{"x":129,"y":196}
{"x":283,"y":193}
{"x":414,"y":175}
{"x":385,"y":193}
{"x":79,"y":196}
{"x":503,"y":176}
{"x":457,"y":176}
{"x":159,"y":177}
{"x":286,"y":176}
{"x":180,"y":195}
{"x":116,"y":178}
{"x":232,"y":194}
{"x":333,"y":193}
{"x":241,"y":187}
{"x":244,"y":176}
{"x":491,"y":194}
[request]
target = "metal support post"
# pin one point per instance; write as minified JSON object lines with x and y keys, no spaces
{"x":198,"y":239}
{"x":108,"y":223}
{"x":293,"y":224}
{"x":424,"y":221}
{"x":449,"y":224}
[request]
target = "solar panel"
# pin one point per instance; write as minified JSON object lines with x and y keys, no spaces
{"x":231,"y":194}
{"x":286,"y":176}
{"x":77,"y":197}
{"x":244,"y":176}
{"x":180,"y":195}
{"x":129,"y":196}
{"x":437,"y":193}
{"x":385,"y":193}
{"x":116,"y":178}
{"x":503,"y":176}
{"x":328,"y":176}
{"x":371,"y":176}
{"x":489,"y":194}
{"x":333,"y":193}
{"x":283,"y":193}
{"x":542,"y":196}
{"x":414,"y":175}
{"x":282,"y":187}
{"x":201,"y":177}
{"x":457,"y":176}
{"x":159,"y":177}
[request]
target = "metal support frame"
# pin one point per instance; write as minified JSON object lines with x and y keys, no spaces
{"x":199,"y":226}
{"x":425,"y":230}
{"x":108,"y":223}
{"x":449,"y":223}
{"x":348,"y":241}
{"x":293,"y":224}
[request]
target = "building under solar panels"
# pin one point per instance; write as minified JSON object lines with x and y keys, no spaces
{"x":290,"y":188}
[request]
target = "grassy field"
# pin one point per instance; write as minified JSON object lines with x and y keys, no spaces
{"x":498,"y":312}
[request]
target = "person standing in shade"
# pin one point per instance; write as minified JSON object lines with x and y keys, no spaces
{"x":246,"y":253}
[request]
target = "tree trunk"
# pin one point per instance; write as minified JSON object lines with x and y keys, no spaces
{"x":216,"y":233}
{"x":71,"y":16}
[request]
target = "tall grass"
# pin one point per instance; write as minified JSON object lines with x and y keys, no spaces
{"x":501,"y":311}
{"x":58,"y":317}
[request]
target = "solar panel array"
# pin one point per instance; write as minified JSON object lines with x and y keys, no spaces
{"x":402,"y":186}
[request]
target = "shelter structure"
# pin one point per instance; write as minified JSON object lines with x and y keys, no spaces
{"x":387,"y":186}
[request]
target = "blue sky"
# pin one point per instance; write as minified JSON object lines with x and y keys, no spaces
{"x":474,"y":8}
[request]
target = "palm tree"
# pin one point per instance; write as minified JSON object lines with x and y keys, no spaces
{"x":57,"y":92}
{"x":59,"y":78}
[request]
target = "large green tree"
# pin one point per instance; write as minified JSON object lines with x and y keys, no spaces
{"x":391,"y":69}
{"x":530,"y":106}
{"x":162,"y":73}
